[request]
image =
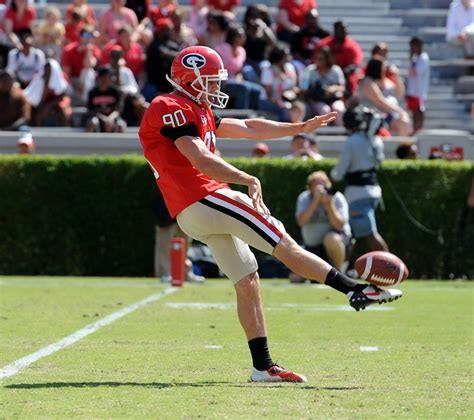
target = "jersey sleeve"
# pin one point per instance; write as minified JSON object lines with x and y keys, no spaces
{"x":172,"y":119}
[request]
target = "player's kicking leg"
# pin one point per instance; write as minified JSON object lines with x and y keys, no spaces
{"x":310,"y":266}
{"x":251,"y":316}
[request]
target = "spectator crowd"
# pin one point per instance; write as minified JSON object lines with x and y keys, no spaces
{"x":115,"y":63}
{"x":288,"y":68}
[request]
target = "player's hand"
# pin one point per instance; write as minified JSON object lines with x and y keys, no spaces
{"x":255,"y":193}
{"x":318,"y":121}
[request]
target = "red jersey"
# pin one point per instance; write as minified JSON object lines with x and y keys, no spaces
{"x":134,"y":57}
{"x":168,"y":118}
{"x":222,"y":5}
{"x":296,"y":10}
{"x":24,"y":22}
{"x":89,"y":18}
{"x":73,"y":57}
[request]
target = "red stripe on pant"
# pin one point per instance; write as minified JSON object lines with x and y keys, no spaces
{"x":249,"y":210}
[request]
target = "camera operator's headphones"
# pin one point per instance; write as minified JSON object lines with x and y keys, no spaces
{"x":361,"y":118}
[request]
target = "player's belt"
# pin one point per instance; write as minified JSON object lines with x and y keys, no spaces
{"x":361,"y":178}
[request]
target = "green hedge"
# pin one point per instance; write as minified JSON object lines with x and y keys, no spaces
{"x":91,"y":215}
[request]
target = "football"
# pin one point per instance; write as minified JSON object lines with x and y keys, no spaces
{"x":382,"y":269}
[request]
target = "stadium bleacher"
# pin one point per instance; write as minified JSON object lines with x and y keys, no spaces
{"x":451,"y":93}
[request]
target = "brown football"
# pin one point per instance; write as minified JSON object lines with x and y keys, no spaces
{"x":381,"y":268}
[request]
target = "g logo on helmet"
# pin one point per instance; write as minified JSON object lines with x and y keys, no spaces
{"x":193,"y":60}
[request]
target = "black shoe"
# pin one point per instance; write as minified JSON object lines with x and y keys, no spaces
{"x":370,"y":294}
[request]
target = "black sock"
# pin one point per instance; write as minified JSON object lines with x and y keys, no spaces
{"x":340,"y":281}
{"x":260,"y":355}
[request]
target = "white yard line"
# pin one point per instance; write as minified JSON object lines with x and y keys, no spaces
{"x":15,"y":367}
{"x":90,"y":282}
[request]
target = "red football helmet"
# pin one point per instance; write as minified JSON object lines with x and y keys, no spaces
{"x":192,"y":70}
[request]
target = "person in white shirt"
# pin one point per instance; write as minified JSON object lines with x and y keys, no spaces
{"x":323,"y":216}
{"x":134,"y":103}
{"x":48,"y":95}
{"x":460,"y":25}
{"x":27,"y":62}
{"x":418,"y":82}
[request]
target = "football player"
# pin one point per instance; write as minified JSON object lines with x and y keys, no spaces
{"x":178,"y":135}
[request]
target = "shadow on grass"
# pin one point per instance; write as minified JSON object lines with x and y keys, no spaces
{"x":161,"y":385}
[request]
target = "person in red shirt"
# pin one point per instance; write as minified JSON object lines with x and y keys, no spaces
{"x":74,"y":26}
{"x":347,"y":53}
{"x":164,"y":9}
{"x":291,"y":17}
{"x":178,"y":136}
{"x":79,"y":61}
{"x":17,"y":17}
{"x":133,"y":52}
{"x":222,"y":5}
{"x":86,"y":10}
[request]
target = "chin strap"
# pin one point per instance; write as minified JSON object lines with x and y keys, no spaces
{"x":182,"y":90}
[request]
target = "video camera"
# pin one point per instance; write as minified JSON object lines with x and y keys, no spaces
{"x":330,"y":190}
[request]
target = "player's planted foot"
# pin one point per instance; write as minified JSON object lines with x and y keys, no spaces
{"x":368,"y":295}
{"x":276,"y":374}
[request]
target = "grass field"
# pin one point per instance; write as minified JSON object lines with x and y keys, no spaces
{"x":185,"y":355}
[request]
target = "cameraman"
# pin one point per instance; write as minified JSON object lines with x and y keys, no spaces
{"x":323,"y":216}
{"x":361,"y":156}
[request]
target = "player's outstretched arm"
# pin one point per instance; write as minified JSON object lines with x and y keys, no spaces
{"x":261,"y":129}
{"x":217,"y":168}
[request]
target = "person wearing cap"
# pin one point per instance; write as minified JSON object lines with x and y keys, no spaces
{"x":25,"y":144}
{"x":79,"y":61}
{"x":260,"y":150}
{"x":305,"y":147}
{"x":105,"y":105}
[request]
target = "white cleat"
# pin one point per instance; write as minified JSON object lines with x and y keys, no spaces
{"x":372,"y":294}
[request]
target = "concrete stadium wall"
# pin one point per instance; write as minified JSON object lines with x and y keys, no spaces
{"x":80,"y":143}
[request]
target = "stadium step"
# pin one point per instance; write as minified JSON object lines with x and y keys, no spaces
{"x":338,"y":12}
{"x":432,"y":34}
{"x":453,"y":68}
{"x":422,"y":17}
{"x":464,"y":84}
{"x":361,"y":20}
{"x":450,"y":124}
{"x":443,"y":51}
{"x":452,"y":105}
{"x":411,"y":4}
